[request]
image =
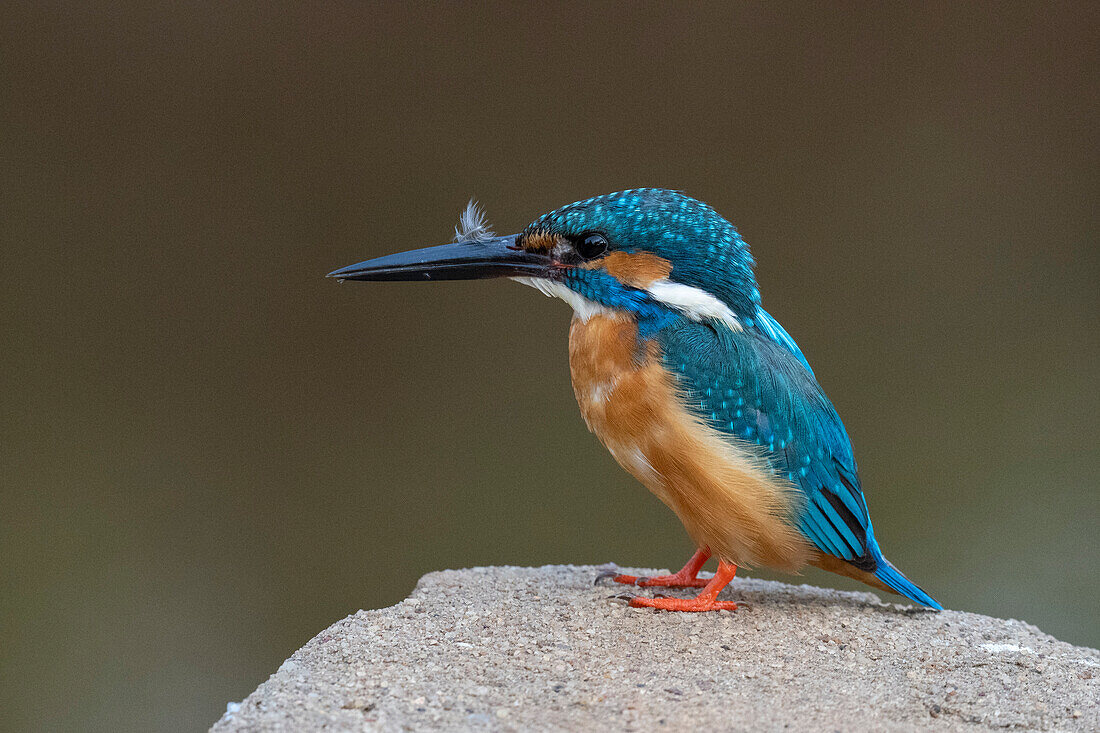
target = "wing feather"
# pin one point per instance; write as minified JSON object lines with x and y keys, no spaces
{"x":756,"y":387}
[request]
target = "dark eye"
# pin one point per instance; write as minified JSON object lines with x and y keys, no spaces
{"x":591,"y":245}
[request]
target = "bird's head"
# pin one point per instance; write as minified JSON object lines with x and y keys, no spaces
{"x":649,"y":251}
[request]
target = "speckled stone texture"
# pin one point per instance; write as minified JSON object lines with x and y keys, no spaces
{"x":543,"y":649}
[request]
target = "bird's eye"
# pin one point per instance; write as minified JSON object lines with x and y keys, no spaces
{"x":591,"y":245}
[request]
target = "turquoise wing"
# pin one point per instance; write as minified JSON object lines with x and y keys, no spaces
{"x":770,"y":328}
{"x":756,"y":387}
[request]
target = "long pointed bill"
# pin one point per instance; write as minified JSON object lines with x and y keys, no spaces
{"x":473,"y":260}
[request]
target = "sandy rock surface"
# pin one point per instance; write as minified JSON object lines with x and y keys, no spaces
{"x":507,"y":648}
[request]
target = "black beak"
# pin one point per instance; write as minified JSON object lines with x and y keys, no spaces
{"x":473,"y":260}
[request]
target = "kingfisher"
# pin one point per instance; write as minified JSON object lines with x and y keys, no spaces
{"x":691,"y":385}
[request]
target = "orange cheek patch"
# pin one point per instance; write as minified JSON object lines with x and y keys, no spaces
{"x":638,"y":269}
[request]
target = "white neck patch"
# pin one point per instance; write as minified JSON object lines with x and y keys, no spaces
{"x":696,"y":304}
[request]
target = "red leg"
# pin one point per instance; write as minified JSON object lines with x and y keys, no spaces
{"x":687,"y":577}
{"x":705,"y":601}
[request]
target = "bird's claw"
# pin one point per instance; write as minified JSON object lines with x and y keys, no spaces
{"x":604,"y":575}
{"x":617,"y":578}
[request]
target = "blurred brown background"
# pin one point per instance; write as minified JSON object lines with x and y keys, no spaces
{"x":209,"y":452}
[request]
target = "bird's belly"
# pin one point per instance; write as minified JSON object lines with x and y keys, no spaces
{"x":725,"y":494}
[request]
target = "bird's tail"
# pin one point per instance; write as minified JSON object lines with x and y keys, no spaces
{"x":892,"y":578}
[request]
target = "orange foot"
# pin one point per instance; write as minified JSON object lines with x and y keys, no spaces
{"x":686,"y":577}
{"x":705,"y":601}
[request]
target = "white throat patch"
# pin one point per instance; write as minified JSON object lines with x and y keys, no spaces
{"x":583,"y":308}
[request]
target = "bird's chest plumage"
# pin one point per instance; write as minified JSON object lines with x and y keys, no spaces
{"x":617,"y":382}
{"x":724,"y":493}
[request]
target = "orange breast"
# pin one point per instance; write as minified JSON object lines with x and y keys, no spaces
{"x":723,"y":491}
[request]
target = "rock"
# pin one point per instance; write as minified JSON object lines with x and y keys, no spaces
{"x":508,"y":648}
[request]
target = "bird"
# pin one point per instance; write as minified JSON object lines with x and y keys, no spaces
{"x":692,"y":386}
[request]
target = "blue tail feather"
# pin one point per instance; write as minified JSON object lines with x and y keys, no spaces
{"x":893,"y":578}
